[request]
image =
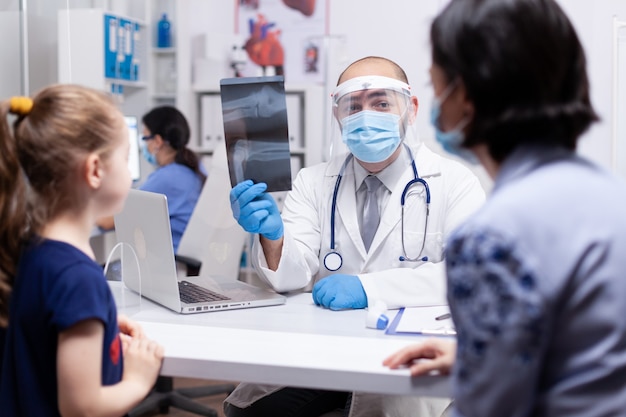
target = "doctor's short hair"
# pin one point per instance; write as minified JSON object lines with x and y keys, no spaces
{"x":397,"y":69}
{"x":523,"y":68}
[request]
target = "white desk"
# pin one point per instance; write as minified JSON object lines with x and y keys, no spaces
{"x":297,"y":344}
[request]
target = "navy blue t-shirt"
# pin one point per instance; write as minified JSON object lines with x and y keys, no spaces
{"x":3,"y":335}
{"x":56,"y":287}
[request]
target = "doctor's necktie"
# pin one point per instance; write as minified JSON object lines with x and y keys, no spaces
{"x":371,"y":216}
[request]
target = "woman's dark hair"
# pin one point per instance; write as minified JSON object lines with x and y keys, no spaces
{"x":523,"y":67}
{"x":171,"y":125}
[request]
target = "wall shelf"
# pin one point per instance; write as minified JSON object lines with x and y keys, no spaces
{"x":164,"y":51}
{"x":126,"y":83}
{"x":164,"y":96}
{"x":107,"y":49}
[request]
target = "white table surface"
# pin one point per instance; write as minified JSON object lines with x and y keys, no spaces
{"x":296,"y":344}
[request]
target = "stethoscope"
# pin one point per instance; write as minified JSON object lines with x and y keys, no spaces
{"x":333,"y":260}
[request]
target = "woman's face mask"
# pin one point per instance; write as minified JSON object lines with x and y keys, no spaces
{"x":149,"y":157}
{"x":371,"y":136}
{"x":452,"y":140}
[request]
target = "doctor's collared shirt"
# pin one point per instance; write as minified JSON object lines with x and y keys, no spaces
{"x":307,"y":215}
{"x":388,"y":176}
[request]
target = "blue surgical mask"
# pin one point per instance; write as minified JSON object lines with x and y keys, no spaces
{"x":371,"y":136}
{"x":151,"y":158}
{"x":452,"y":140}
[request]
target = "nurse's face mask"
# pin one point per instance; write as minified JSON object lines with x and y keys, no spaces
{"x":145,"y":152}
{"x":372,"y":113}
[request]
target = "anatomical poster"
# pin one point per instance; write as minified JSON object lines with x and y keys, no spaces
{"x":283,"y":37}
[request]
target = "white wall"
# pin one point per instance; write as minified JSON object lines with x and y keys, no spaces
{"x":11,"y":70}
{"x":400,"y":32}
{"x":593,"y":21}
{"x":398,"y":29}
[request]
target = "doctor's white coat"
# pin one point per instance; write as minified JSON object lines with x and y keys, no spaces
{"x":455,"y":193}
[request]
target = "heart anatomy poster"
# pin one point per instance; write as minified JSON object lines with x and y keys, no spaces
{"x":282,"y":37}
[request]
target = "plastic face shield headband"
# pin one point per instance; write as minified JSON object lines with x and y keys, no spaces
{"x":373,"y":92}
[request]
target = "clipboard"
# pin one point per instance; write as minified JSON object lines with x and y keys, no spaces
{"x":422,"y":321}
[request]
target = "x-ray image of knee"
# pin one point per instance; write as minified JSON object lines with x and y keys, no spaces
{"x":255,"y":127}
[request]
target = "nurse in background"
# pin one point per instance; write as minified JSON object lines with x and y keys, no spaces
{"x":536,"y":277}
{"x":178,"y":173}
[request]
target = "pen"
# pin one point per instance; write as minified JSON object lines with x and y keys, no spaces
{"x":449,"y":331}
{"x":443,"y":316}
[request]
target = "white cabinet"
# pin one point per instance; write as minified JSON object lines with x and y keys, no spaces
{"x":101,"y":50}
{"x":211,"y":124}
{"x":106,"y":51}
{"x":295,"y":120}
{"x":163,"y":75}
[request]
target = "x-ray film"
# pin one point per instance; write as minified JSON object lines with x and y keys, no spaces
{"x":255,"y":128}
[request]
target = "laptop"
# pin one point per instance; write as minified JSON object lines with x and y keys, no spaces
{"x":149,"y":268}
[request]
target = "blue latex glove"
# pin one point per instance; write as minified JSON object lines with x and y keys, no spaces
{"x":339,"y":292}
{"x":255,"y":210}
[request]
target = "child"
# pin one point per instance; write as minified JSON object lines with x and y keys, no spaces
{"x":63,"y":165}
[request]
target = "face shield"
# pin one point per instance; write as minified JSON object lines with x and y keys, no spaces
{"x":372,"y":116}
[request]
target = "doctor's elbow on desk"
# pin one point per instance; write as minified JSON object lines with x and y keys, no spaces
{"x":279,"y":283}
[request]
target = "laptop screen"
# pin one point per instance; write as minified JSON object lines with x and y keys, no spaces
{"x":133,"y":138}
{"x":148,"y":265}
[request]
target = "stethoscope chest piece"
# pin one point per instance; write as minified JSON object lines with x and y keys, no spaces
{"x":333,"y":261}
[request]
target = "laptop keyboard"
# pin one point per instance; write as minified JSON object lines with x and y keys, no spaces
{"x":191,"y":293}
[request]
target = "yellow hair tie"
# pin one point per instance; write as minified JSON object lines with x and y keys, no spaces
{"x":21,"y":105}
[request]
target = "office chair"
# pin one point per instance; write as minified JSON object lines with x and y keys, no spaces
{"x":334,"y":413}
{"x":210,"y":246}
{"x":213,"y":242}
{"x":164,"y":396}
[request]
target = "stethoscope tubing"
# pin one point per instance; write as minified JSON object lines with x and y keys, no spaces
{"x":336,"y":258}
{"x":334,"y":201}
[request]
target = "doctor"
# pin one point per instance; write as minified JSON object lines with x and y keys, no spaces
{"x":374,"y":113}
{"x":322,"y":242}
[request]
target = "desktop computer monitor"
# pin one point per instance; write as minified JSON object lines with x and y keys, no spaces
{"x":133,"y":138}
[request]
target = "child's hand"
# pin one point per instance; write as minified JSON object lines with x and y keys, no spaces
{"x":142,"y":361}
{"x":129,"y":327}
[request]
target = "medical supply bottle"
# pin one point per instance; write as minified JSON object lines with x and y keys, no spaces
{"x":164,"y":36}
